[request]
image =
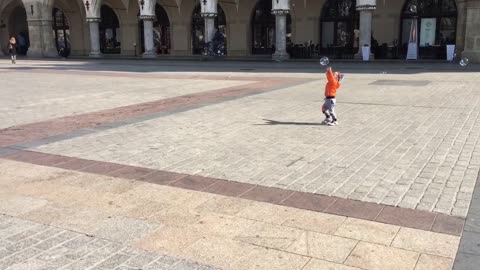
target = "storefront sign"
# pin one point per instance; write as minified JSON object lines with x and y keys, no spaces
{"x":427,"y":32}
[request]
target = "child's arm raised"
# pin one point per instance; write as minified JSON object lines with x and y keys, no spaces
{"x":330,"y":77}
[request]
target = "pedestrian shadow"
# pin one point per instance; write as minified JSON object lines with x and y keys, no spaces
{"x":269,"y":122}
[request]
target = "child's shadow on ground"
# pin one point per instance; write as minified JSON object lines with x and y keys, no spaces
{"x":269,"y":122}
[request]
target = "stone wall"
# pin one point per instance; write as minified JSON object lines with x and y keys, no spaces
{"x":305,"y":14}
{"x":472,"y":31}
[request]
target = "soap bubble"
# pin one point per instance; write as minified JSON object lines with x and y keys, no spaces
{"x":324,"y":61}
{"x":413,"y":9}
{"x":464,"y":62}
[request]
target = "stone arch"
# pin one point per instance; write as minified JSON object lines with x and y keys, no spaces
{"x":13,"y":22}
{"x":109,"y":28}
{"x":74,"y":12}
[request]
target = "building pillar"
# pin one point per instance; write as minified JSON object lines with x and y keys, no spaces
{"x":209,"y":26}
{"x":49,"y":48}
{"x":2,"y":34}
{"x":472,"y":32}
{"x":461,"y":25}
{"x":365,"y":8}
{"x":209,"y":13}
{"x":94,"y":37}
{"x":148,"y":36}
{"x":280,"y":35}
{"x":39,"y":19}
{"x":35,"y":38}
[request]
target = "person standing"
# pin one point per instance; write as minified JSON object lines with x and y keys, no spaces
{"x":328,"y":108}
{"x":12,"y":49}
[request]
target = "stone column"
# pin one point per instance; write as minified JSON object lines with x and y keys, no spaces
{"x":49,"y":48}
{"x":280,"y":34}
{"x":94,"y":37}
{"x":209,"y":19}
{"x":3,"y":41}
{"x":472,"y":32}
{"x":461,"y":25}
{"x":39,"y":19}
{"x":35,"y":37}
{"x":148,"y":36}
{"x":209,"y":13}
{"x":365,"y":8}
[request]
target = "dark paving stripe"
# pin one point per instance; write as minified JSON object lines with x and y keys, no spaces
{"x":468,"y":254}
{"x":399,"y":216}
{"x":410,"y":218}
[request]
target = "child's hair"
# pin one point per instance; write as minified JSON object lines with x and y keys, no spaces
{"x":339,"y":76}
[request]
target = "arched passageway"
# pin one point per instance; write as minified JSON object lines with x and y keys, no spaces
{"x":198,"y":28}
{"x":161,"y":31}
{"x":18,"y":28}
{"x":339,"y":20}
{"x":109,"y":31}
{"x":61,"y":31}
{"x":263,"y":28}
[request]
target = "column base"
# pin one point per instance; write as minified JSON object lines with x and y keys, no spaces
{"x":280,"y":56}
{"x":149,"y":55}
{"x":473,"y":56}
{"x":95,"y":55}
{"x":359,"y":56}
{"x":50,"y":53}
{"x":34,"y":52}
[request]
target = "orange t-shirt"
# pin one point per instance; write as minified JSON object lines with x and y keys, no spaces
{"x":332,"y":85}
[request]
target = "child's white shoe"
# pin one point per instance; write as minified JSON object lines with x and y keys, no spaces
{"x":334,"y":123}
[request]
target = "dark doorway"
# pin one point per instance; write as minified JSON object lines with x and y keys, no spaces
{"x":436,"y":25}
{"x":109,"y":31}
{"x":263,"y":28}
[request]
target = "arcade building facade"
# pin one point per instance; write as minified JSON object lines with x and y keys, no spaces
{"x":278,"y":29}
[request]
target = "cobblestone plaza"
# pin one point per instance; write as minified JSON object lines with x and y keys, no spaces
{"x":118,"y":164}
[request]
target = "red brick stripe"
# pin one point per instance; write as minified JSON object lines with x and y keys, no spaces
{"x":417,"y":219}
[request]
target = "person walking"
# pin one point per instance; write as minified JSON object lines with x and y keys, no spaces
{"x":12,"y":49}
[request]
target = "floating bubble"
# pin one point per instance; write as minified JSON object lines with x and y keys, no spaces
{"x":324,"y":61}
{"x":464,"y":62}
{"x":413,"y":9}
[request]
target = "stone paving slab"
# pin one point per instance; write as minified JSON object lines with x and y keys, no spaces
{"x":199,"y":231}
{"x":30,"y":245}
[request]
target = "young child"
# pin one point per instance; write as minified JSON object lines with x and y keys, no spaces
{"x":12,"y":49}
{"x":333,"y":84}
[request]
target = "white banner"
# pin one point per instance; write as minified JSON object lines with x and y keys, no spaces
{"x":427,"y":32}
{"x":412,"y":53}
